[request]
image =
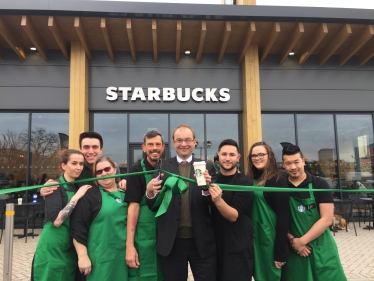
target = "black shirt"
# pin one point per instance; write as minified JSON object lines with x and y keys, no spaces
{"x":136,"y":185}
{"x":56,"y":201}
{"x":279,"y":203}
{"x":317,"y":183}
{"x":85,"y":212}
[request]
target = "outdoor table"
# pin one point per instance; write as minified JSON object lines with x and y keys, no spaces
{"x":369,"y":201}
{"x":29,"y":206}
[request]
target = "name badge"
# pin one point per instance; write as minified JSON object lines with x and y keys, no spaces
{"x":311,"y":206}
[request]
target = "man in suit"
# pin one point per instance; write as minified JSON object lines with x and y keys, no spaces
{"x":185,"y":232}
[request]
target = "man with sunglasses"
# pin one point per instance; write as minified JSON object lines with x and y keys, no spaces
{"x":141,"y":255}
{"x":91,"y":145}
{"x":185,"y":231}
{"x":315,"y":256}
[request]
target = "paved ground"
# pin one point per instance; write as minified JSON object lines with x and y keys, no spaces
{"x":356,"y":253}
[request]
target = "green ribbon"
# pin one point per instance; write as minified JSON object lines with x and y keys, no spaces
{"x":173,"y":185}
{"x":176,"y":184}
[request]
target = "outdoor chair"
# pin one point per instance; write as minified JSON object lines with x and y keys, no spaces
{"x":360,"y":207}
{"x":24,"y":213}
{"x":344,"y":208}
{"x":39,"y":212}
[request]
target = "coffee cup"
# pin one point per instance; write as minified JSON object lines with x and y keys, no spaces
{"x":199,"y":168}
{"x":20,"y":201}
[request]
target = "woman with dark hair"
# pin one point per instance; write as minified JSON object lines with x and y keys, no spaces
{"x":269,"y":214}
{"x":98,"y":227}
{"x":55,"y":258}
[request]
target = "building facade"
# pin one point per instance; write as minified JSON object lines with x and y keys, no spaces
{"x":251,"y":73}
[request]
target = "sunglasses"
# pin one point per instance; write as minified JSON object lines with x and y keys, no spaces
{"x":106,"y":170}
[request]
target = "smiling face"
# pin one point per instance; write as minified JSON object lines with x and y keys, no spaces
{"x":153,"y":148}
{"x":259,"y":157}
{"x":91,"y":150}
{"x":73,"y":167}
{"x":102,"y":169}
{"x":184,"y":142}
{"x":228,"y":157}
{"x":294,"y":166}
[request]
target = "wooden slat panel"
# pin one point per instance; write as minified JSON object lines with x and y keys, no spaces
{"x":275,"y":31}
{"x":154,"y":40}
{"x":34,"y":37}
{"x":313,"y":42}
{"x":178,"y":42}
{"x":130,"y":35}
{"x":247,"y":41}
{"x":9,"y":38}
{"x":107,"y":39}
{"x":61,"y":41}
{"x":78,"y":26}
{"x":295,"y":36}
{"x":201,"y":43}
{"x":358,"y":43}
{"x":335,"y":43}
{"x":225,"y":39}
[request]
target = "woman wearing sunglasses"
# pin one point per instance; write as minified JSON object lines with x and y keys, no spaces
{"x":269,"y":214}
{"x":55,"y":257}
{"x":98,"y":228}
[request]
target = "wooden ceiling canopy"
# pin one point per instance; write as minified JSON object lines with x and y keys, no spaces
{"x":20,"y":32}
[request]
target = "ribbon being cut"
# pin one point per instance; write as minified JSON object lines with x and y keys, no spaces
{"x":176,"y":184}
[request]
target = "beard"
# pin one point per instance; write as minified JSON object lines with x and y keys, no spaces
{"x":233,"y":166}
{"x":154,"y":159}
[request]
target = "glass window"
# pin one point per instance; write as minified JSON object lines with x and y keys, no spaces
{"x":218,"y":128}
{"x":196,"y":122}
{"x":13,"y":150}
{"x":356,"y":150}
{"x":49,"y":137}
{"x":113,"y":128}
{"x":316,"y":139}
{"x":140,"y":124}
{"x":277,"y":128}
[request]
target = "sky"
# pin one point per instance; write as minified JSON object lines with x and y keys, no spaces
{"x":360,"y":4}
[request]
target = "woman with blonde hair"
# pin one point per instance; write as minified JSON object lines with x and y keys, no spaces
{"x":269,"y":214}
{"x":98,"y":227}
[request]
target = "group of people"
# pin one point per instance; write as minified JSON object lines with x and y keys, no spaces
{"x":96,"y":231}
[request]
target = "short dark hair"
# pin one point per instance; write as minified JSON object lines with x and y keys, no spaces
{"x":152,"y":134}
{"x":228,"y":142}
{"x":91,"y":135}
{"x":66,"y":156}
{"x":291,"y":150}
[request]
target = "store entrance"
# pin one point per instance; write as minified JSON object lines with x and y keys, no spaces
{"x":136,"y":153}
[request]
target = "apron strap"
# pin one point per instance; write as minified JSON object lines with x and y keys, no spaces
{"x":63,"y":183}
{"x":148,"y":177}
{"x":310,"y":187}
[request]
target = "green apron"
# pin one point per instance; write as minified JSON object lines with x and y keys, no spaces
{"x":55,"y":257}
{"x":106,"y":243}
{"x":264,"y":221}
{"x":323,"y":263}
{"x":145,"y":242}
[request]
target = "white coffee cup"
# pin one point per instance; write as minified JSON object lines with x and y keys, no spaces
{"x":20,"y":201}
{"x":199,"y":168}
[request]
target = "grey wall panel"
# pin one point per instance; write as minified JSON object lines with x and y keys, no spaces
{"x":34,"y":83}
{"x":309,"y":87}
{"x":144,"y":73}
{"x":35,"y":98}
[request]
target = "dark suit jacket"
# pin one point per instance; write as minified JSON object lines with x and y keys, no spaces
{"x":200,"y":214}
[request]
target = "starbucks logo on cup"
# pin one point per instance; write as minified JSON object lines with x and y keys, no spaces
{"x":198,"y":172}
